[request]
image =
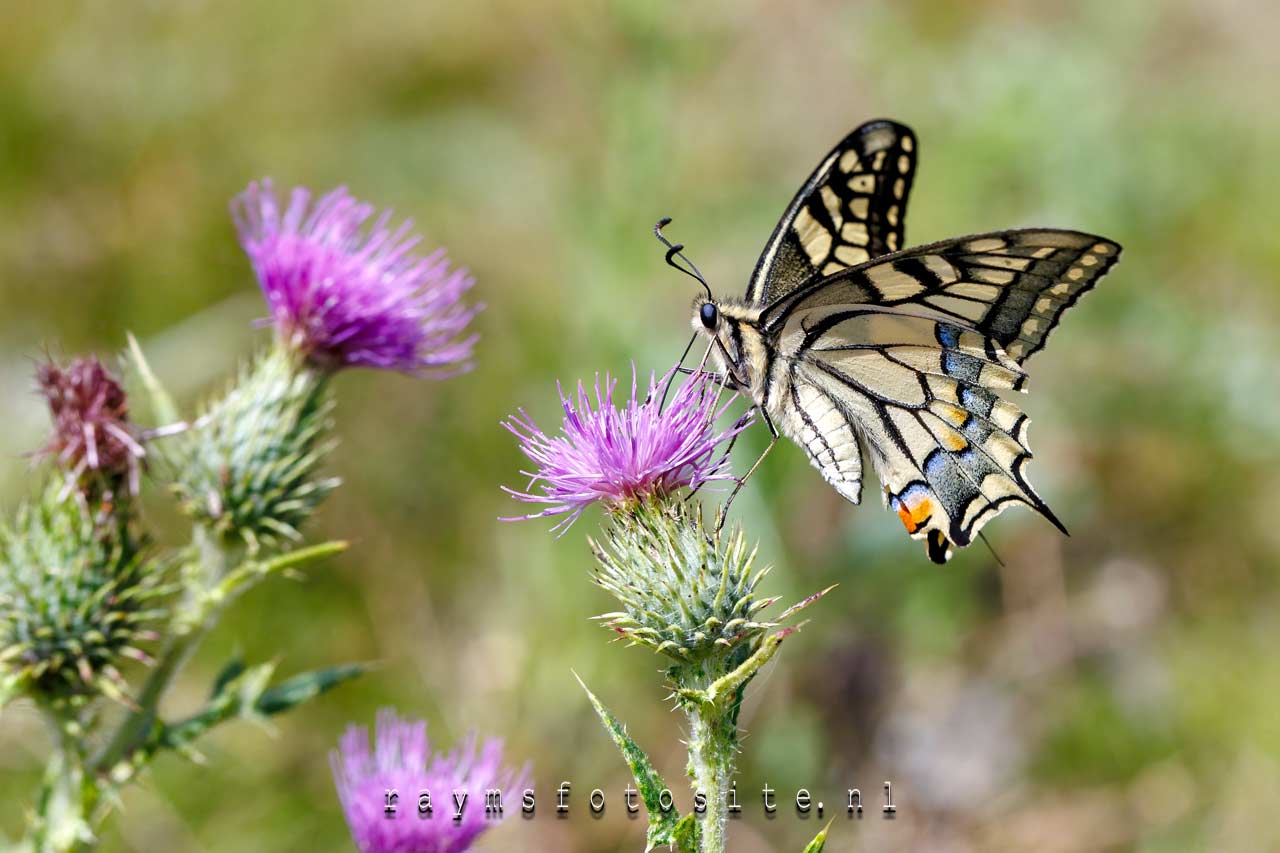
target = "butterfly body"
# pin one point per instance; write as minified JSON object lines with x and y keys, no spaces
{"x":845,"y":341}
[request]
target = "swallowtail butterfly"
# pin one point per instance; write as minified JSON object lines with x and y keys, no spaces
{"x":849,"y":343}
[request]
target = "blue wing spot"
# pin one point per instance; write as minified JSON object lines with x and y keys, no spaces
{"x":934,"y":465}
{"x":961,"y":366}
{"x":948,"y":335}
{"x":977,"y":400}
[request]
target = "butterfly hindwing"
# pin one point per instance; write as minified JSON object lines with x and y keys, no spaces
{"x":850,"y":210}
{"x":919,"y":393}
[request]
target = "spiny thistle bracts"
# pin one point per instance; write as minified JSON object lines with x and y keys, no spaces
{"x":77,"y":598}
{"x":249,"y":468}
{"x":686,"y":590}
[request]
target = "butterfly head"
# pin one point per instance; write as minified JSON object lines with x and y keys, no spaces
{"x":731,"y":327}
{"x":708,"y":320}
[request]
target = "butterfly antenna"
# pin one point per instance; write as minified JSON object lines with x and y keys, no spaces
{"x":676,"y":250}
{"x":987,"y":542}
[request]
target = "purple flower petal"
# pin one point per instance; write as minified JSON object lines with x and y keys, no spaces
{"x":347,"y":295}
{"x":617,"y":456}
{"x":401,"y":760}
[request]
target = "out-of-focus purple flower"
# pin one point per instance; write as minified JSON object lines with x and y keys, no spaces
{"x":346,"y":295}
{"x":620,"y":456}
{"x":401,"y":760}
{"x":92,"y":434}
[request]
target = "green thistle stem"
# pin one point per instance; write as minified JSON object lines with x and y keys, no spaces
{"x":713,"y":739}
{"x":193,"y":619}
{"x":60,"y":823}
{"x":711,"y":699}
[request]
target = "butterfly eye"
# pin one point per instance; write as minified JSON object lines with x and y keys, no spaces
{"x":709,"y":315}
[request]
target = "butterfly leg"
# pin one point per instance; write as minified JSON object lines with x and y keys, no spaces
{"x":728,"y":448}
{"x":742,"y":481}
{"x":722,"y":379}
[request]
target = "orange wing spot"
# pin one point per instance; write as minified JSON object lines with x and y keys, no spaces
{"x":914,"y":513}
{"x":954,"y":441}
{"x":954,"y":414}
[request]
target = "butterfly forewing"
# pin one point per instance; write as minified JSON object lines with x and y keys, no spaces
{"x":850,"y":210}
{"x":1010,"y":286}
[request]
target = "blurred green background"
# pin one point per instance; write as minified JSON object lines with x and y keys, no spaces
{"x":1116,"y":689}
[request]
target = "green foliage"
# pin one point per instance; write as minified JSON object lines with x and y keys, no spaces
{"x":239,"y":692}
{"x":819,"y":842}
{"x":665,"y":827}
{"x":689,"y":594}
{"x":77,"y":598}
{"x":248,"y":468}
{"x":244,"y":693}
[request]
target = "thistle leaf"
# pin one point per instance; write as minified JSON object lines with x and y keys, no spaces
{"x":251,"y":570}
{"x":242,"y":692}
{"x":663,"y":826}
{"x":162,"y":405}
{"x":726,"y":691}
{"x":229,"y":673}
{"x":819,"y":841}
{"x":687,"y":836}
{"x":303,"y":688}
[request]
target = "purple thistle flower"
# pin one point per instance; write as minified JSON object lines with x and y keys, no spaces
{"x":345,"y":295}
{"x":402,"y":761}
{"x":92,"y":433}
{"x":622,"y":456}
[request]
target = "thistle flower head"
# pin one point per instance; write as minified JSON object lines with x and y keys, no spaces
{"x":348,"y":295}
{"x":686,"y":591}
{"x":401,"y":760}
{"x":621,"y":457}
{"x":76,"y":600}
{"x":93,"y":438}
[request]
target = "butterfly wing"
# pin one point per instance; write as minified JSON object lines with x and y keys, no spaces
{"x":850,"y":210}
{"x":1010,"y":286}
{"x":906,"y":354}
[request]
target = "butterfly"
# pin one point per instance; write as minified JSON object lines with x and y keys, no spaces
{"x":851,"y":345}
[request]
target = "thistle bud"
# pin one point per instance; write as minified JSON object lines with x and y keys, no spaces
{"x":686,"y":591}
{"x":248,"y":470}
{"x":93,"y":439}
{"x":76,"y":600}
